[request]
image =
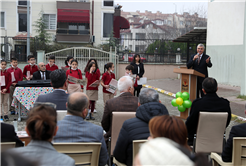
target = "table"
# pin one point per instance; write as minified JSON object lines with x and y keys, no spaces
{"x":23,"y":136}
{"x":25,"y":97}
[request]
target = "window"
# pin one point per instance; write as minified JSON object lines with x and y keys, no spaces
{"x":23,"y":3}
{"x":50,"y":21}
{"x":22,"y":22}
{"x":169,"y":22}
{"x":108,"y":3}
{"x":108,"y":19}
{"x":79,"y":28}
{"x":2,"y":19}
{"x":188,"y":22}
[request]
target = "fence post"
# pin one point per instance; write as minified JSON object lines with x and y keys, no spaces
{"x":110,"y":54}
{"x":41,"y":56}
{"x":74,"y":52}
{"x":89,"y":53}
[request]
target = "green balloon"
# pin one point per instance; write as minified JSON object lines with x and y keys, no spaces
{"x":187,"y":103}
{"x":173,"y":102}
{"x":178,"y":94}
{"x":181,"y":108}
{"x":185,"y":96}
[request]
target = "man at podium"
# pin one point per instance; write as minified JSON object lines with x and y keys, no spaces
{"x":200,"y":62}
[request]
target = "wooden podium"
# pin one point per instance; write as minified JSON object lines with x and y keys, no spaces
{"x":188,"y":83}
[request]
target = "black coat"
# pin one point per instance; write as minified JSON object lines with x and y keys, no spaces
{"x":202,"y":67}
{"x":136,"y":129}
{"x":37,"y":75}
{"x":236,"y":131}
{"x":208,"y":103}
{"x":135,"y":70}
{"x":8,"y":135}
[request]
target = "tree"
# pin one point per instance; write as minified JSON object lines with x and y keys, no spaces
{"x":111,"y":42}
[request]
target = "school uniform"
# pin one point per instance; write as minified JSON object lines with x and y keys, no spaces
{"x":5,"y":97}
{"x":106,"y":78}
{"x":51,"y":68}
{"x":16,"y":76}
{"x":92,"y":92}
{"x":31,"y":68}
{"x":139,"y":71}
{"x":72,"y":87}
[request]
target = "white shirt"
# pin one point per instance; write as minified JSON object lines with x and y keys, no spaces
{"x":42,"y":75}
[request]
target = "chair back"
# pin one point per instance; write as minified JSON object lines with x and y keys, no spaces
{"x":61,"y":114}
{"x":118,"y":118}
{"x":136,"y":144}
{"x":210,"y":132}
{"x":7,"y":145}
{"x":239,"y":151}
{"x":84,"y":153}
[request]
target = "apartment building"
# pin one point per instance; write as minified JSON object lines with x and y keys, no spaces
{"x":70,"y":22}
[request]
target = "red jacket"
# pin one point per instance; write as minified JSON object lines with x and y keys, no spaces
{"x":7,"y":80}
{"x":74,"y":73}
{"x":92,"y":77}
{"x":30,"y":68}
{"x":17,"y":73}
{"x":52,"y":68}
{"x":106,"y":78}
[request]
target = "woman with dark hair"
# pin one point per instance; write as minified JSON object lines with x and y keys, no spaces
{"x":95,"y":61}
{"x":169,"y":127}
{"x":138,"y":70}
{"x":41,"y":126}
{"x":68,"y":61}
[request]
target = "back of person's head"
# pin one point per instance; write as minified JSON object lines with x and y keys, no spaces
{"x":52,"y":57}
{"x":125,"y":83}
{"x":148,"y":95}
{"x":58,"y":78}
{"x":209,"y":85}
{"x":107,"y":66}
{"x":14,"y":159}
{"x":30,"y":56}
{"x":129,"y":67}
{"x":13,"y":59}
{"x":162,"y":151}
{"x":41,"y":122}
{"x":68,"y":58}
{"x":77,"y":102}
{"x":169,"y":127}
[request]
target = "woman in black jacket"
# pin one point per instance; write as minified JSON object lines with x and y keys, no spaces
{"x":138,"y":70}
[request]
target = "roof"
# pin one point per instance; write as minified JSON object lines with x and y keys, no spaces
{"x":21,"y":37}
{"x":197,"y":35}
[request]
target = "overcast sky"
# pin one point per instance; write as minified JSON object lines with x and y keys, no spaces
{"x":163,"y":6}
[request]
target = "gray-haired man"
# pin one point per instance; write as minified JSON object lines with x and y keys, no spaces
{"x":200,"y":62}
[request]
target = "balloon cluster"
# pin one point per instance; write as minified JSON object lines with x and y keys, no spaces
{"x":182,"y":101}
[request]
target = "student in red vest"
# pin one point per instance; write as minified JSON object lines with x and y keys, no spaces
{"x":16,"y":75}
{"x":92,"y":92}
{"x":5,"y":84}
{"x":51,"y":66}
{"x":76,"y":73}
{"x":31,"y":68}
{"x":106,"y":78}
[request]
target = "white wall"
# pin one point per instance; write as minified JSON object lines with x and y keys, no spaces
{"x":226,"y":34}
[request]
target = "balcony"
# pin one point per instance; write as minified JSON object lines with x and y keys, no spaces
{"x":73,"y":5}
{"x":72,"y":36}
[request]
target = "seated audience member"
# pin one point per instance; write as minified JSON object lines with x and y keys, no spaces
{"x":125,"y":102}
{"x":59,"y":95}
{"x":73,"y":128}
{"x":162,"y":151}
{"x":169,"y":127}
{"x":137,"y":128}
{"x":236,"y":131}
{"x":42,"y":74}
{"x":210,"y":102}
{"x":8,"y":135}
{"x":41,"y":126}
{"x":15,"y":159}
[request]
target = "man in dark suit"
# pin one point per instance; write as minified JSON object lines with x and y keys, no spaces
{"x":210,"y":102}
{"x":236,"y":131}
{"x":42,"y":74}
{"x":59,"y":95}
{"x":126,"y":102}
{"x":8,"y":135}
{"x":73,"y":128}
{"x":200,"y":62}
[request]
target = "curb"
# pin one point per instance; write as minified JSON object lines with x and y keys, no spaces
{"x":174,"y":95}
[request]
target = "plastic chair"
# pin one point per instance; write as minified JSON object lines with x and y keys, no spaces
{"x":136,"y":144}
{"x":210,"y":132}
{"x":238,"y":154}
{"x":84,"y":153}
{"x":61,"y":114}
{"x":7,"y":145}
